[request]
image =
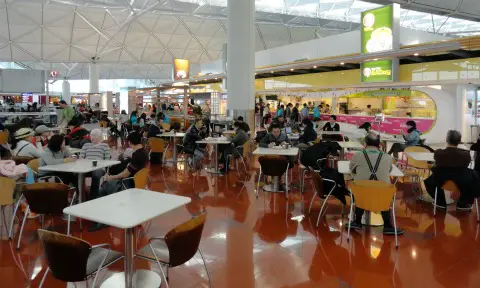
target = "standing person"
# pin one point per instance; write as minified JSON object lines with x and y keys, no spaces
{"x":142,"y":120}
{"x":372,"y":164}
{"x":476,"y":147}
{"x":295,"y":113}
{"x":288,"y":112}
{"x":133,"y":118}
{"x":412,"y":138}
{"x":96,"y":150}
{"x":281,"y":111}
{"x":22,"y":144}
{"x":316,"y":113}
{"x":305,"y":113}
{"x":67,"y":115}
{"x":267,"y":115}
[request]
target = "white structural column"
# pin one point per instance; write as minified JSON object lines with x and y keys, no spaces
{"x":93,"y":78}
{"x":66,"y":92}
{"x":241,"y":59}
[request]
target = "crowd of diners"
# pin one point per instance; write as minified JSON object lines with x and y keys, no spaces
{"x":451,"y":163}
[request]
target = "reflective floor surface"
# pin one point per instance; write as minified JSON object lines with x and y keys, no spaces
{"x":267,"y":242}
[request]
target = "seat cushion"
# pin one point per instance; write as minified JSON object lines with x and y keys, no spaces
{"x":160,"y":248}
{"x":96,"y":257}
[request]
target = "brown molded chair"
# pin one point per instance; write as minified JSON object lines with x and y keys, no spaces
{"x":72,"y":259}
{"x":177,"y":247}
{"x":273,"y":165}
{"x":318,"y":184}
{"x":34,"y":165}
{"x":22,"y":159}
{"x":46,"y":199}
{"x":452,"y":187}
{"x":6,"y":196}
{"x":4,"y":141}
{"x":140,"y":179}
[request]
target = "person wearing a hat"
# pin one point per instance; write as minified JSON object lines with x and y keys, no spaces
{"x":42,"y":133}
{"x":22,"y":144}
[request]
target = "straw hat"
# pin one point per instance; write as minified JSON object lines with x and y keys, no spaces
{"x":23,"y":133}
{"x":41,"y":129}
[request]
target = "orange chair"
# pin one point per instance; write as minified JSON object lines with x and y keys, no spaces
{"x":140,"y":178}
{"x":373,"y":196}
{"x":452,"y":187}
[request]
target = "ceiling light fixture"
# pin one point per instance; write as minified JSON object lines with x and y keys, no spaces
{"x":415,"y":54}
{"x":271,"y":72}
{"x":342,"y":63}
{"x":375,"y":59}
{"x":292,"y":69}
{"x":314,"y":67}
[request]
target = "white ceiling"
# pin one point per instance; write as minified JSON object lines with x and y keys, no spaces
{"x":139,"y":38}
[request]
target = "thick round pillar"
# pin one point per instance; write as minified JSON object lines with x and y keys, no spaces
{"x":93,"y":78}
{"x":66,"y":92}
{"x":241,"y":59}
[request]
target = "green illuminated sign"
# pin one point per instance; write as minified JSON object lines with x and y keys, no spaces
{"x":377,"y":30}
{"x":377,"y":71}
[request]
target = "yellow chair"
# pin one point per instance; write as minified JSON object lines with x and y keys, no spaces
{"x":4,"y":141}
{"x":140,"y":179}
{"x":166,"y":127}
{"x":156,"y":145}
{"x":373,"y":196}
{"x":6,"y":196}
{"x":34,"y":165}
{"x":416,"y":169}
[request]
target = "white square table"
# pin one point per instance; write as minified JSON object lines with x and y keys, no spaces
{"x":349,"y":145}
{"x":215,"y":142}
{"x":79,"y":167}
{"x":126,"y":210}
{"x":290,"y":152}
{"x":172,"y":135}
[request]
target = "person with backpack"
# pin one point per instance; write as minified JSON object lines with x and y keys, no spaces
{"x":78,"y":135}
{"x":372,"y":164}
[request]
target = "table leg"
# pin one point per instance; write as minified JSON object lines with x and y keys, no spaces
{"x":174,"y":151}
{"x":81,"y":182}
{"x":214,"y":170}
{"x":342,"y":153}
{"x":129,"y":260}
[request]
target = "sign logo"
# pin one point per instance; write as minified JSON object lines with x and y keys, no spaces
{"x":367,"y":72}
{"x":368,"y":20}
{"x":181,"y":69}
{"x":54,"y":74}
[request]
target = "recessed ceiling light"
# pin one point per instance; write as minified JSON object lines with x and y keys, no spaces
{"x":216,"y":78}
{"x":271,"y":72}
{"x":292,"y":69}
{"x":341,"y":63}
{"x":343,"y":73}
{"x":415,"y":54}
{"x":375,"y":59}
{"x":314,"y":67}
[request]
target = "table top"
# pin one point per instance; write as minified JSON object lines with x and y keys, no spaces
{"x":128,"y":208}
{"x":293,"y":151}
{"x":169,"y":134}
{"x":229,"y":132}
{"x":293,"y":136}
{"x":329,"y":132}
{"x":73,"y":150}
{"x":214,"y":141}
{"x":344,"y":168}
{"x":79,"y":166}
{"x":351,"y":145}
{"x":421,"y":156}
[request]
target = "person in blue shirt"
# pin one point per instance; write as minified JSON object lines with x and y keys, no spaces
{"x":133,"y":117}
{"x":412,"y":138}
{"x":280,"y":111}
{"x":316,"y":113}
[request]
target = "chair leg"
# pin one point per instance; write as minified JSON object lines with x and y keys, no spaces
{"x":43,"y":278}
{"x":321,"y":209}
{"x":395,"y":223}
{"x":205,"y":264}
{"x":476,"y":207}
{"x":311,"y":202}
{"x":4,"y":218}
{"x":159,"y":265}
{"x":286,"y":184}
{"x":258,"y":182}
{"x":10,"y":233}
{"x":350,"y":218}
{"x":435,"y":202}
{"x":23,"y":225}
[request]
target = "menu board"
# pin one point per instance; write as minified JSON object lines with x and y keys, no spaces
{"x":379,"y":33}
{"x":181,"y":69}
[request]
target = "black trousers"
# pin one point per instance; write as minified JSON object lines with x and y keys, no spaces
{"x":397,"y":148}
{"x":385,"y":216}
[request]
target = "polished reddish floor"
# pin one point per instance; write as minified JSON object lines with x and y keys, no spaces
{"x":266,"y":242}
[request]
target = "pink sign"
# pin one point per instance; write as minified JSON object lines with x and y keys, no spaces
{"x":391,"y":125}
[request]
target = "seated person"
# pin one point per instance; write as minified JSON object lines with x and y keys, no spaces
{"x":372,"y":164}
{"x":332,"y":124}
{"x":309,"y":134}
{"x":274,"y":138}
{"x":411,"y":138}
{"x":78,"y":135}
{"x":452,"y":164}
{"x":22,"y":144}
{"x":156,"y":128}
{"x":96,"y":150}
{"x":42,"y":133}
{"x":238,"y":140}
{"x":194,"y":133}
{"x":142,"y":120}
{"x":279,"y":120}
{"x":476,"y":147}
{"x":246,"y":128}
{"x":54,"y":154}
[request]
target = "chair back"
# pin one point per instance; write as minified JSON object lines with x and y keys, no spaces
{"x":157,"y":145}
{"x":415,"y":163}
{"x":141,"y":178}
{"x":273,"y":165}
{"x":6,"y":193}
{"x":47,"y":198}
{"x":246,"y":149}
{"x":166,"y":126}
{"x":450,"y":186}
{"x":183,"y":240}
{"x":103,"y":124}
{"x":371,"y":195}
{"x":66,"y":256}
{"x":22,"y":159}
{"x":34,"y":165}
{"x":3,"y":137}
